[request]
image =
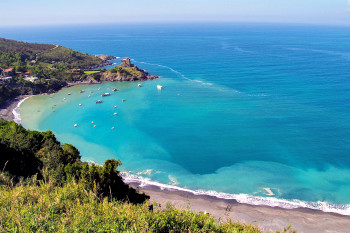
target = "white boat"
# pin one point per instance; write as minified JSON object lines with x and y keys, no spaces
{"x":81,"y":91}
{"x":92,"y":122}
{"x":115,"y":89}
{"x":115,"y":113}
{"x":69,"y":93}
{"x":79,"y":104}
{"x":139,"y":85}
{"x":115,"y":106}
{"x":105,"y":94}
{"x":112,"y":128}
{"x":159,"y":87}
{"x":75,"y":125}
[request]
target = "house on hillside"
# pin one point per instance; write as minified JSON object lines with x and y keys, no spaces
{"x":6,"y":79}
{"x":31,"y":79}
{"x":8,"y":72}
{"x":75,"y":70}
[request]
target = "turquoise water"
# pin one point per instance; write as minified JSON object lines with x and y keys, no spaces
{"x":245,"y":109}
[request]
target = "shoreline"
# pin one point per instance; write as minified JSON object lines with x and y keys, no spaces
{"x":267,"y":218}
{"x":7,"y":110}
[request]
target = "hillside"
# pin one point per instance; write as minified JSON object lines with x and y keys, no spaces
{"x":44,"y":55}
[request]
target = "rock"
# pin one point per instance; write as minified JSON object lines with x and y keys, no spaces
{"x":107,"y":57}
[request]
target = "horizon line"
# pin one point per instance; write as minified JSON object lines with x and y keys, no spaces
{"x":174,"y":23}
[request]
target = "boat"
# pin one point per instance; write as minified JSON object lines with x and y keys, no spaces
{"x":139,"y":85}
{"x":75,"y":125}
{"x":115,"y":113}
{"x":112,"y":128}
{"x":99,"y":88}
{"x":69,"y":93}
{"x":159,"y":87}
{"x":124,"y":100}
{"x":79,"y":104}
{"x":81,"y":91}
{"x":115,"y":106}
{"x":115,"y":89}
{"x":98,"y":101}
{"x":105,"y":94}
{"x":92,"y":122}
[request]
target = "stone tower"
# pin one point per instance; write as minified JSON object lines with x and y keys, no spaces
{"x":125,"y":62}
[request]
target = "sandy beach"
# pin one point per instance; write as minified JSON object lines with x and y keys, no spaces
{"x":268,"y":219}
{"x":6,"y":109}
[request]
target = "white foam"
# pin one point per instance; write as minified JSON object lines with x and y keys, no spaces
{"x":167,"y":67}
{"x":245,"y":198}
{"x":17,"y":117}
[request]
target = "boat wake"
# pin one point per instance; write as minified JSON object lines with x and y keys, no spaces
{"x":245,"y":198}
{"x":221,"y":88}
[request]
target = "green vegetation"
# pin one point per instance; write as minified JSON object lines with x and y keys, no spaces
{"x":45,"y":207}
{"x":133,"y":71}
{"x":91,"y":71}
{"x":68,"y":57}
{"x":45,"y":187}
{"x":20,"y":54}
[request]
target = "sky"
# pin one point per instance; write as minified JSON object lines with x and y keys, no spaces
{"x":51,"y":12}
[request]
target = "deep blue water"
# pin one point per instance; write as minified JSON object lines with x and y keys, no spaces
{"x":244,"y":107}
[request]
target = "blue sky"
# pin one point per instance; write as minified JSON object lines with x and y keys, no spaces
{"x":46,"y":12}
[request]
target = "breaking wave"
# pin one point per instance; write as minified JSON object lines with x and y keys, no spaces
{"x":245,"y":198}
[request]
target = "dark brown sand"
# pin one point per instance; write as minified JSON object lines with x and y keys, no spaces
{"x":9,"y":106}
{"x":268,"y":219}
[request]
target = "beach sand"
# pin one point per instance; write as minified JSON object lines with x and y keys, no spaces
{"x":268,"y":219}
{"x":9,"y":106}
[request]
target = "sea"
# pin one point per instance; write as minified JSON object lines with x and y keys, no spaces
{"x":259,"y":113}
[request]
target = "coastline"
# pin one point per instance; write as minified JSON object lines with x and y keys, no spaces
{"x":7,"y":110}
{"x":265,"y":217}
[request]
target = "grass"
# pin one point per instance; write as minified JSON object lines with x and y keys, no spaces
{"x":91,"y":71}
{"x":45,"y":207}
